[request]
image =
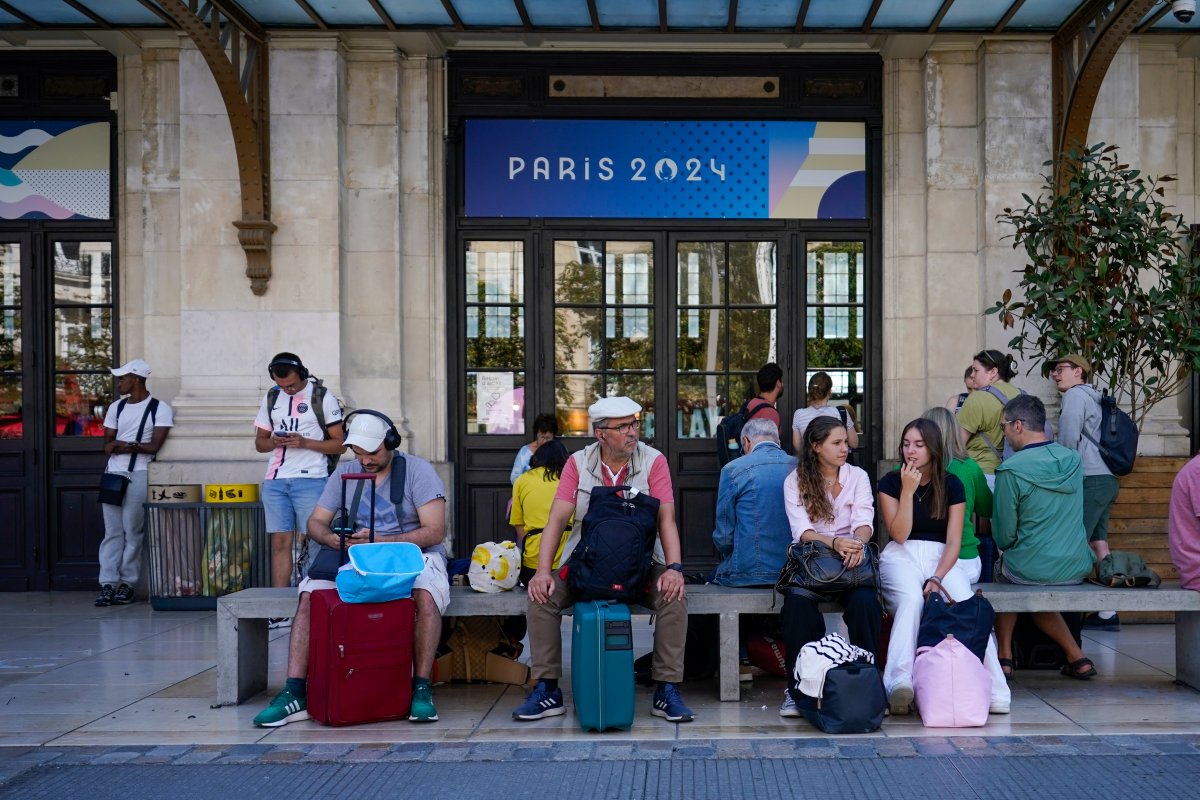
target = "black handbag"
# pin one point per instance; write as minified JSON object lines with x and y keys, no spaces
{"x":852,"y":701}
{"x":814,"y":570}
{"x":970,"y":621}
{"x":112,"y":488}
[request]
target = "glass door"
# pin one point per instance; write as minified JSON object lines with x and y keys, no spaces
{"x":18,"y":433}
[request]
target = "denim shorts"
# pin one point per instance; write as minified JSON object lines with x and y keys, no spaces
{"x":289,"y":502}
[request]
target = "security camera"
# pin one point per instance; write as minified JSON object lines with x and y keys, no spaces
{"x":1183,"y":10}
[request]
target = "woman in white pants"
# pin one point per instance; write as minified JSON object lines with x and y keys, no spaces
{"x":923,"y":508}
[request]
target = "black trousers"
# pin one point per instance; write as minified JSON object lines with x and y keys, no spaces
{"x":803,"y":623}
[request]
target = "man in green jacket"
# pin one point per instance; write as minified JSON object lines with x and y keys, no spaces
{"x":1037,"y":520}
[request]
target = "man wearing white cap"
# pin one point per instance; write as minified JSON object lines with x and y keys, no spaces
{"x":134,"y":430}
{"x":617,"y":458}
{"x":409,"y":510}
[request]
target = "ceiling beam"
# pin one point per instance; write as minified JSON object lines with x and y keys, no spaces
{"x":388,"y":22}
{"x":941,"y":14}
{"x":801,"y":14}
{"x":313,"y":15}
{"x":1162,"y":12}
{"x":662,"y":16}
{"x":594,"y":14}
{"x":732,"y":16}
{"x":454,"y":17}
{"x":21,"y":15}
{"x":159,"y":12}
{"x":870,"y":18}
{"x":521,"y":10}
{"x":1008,"y":15}
{"x":87,"y":12}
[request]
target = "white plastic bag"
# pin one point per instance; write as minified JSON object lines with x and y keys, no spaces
{"x":494,"y":567}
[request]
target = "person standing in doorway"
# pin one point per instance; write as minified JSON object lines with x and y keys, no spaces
{"x":299,"y":423}
{"x":134,"y":429}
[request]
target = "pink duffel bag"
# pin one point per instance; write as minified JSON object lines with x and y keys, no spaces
{"x":951,"y":686}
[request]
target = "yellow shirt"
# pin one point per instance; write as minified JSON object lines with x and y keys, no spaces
{"x":980,"y":414}
{"x":532,"y":498}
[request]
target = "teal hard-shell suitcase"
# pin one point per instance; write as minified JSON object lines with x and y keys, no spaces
{"x":602,"y":665}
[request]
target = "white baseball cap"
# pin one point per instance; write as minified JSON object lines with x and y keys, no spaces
{"x":366,"y":432}
{"x":611,"y":407}
{"x":135,"y":367}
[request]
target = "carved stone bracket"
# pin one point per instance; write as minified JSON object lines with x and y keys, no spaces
{"x":235,"y":48}
{"x":1082,"y":51}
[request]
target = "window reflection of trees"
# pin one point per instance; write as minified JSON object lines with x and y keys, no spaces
{"x":83,"y":336}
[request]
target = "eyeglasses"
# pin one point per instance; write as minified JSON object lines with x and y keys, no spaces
{"x":1004,"y":423}
{"x":626,"y":427}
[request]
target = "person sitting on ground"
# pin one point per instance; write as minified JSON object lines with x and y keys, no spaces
{"x":752,"y":533}
{"x":1183,"y":524}
{"x":923,"y":507}
{"x":1037,"y":520}
{"x":820,"y":389}
{"x":616,"y":458}
{"x":532,"y":497}
{"x":955,"y":401}
{"x":545,"y":428}
{"x":420,"y":518}
{"x":829,"y":501}
{"x":979,"y":417}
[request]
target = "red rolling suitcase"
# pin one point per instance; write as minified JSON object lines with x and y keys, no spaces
{"x":360,"y":655}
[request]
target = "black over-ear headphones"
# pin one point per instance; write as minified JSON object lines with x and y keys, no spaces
{"x":285,"y":361}
{"x":391,"y":439}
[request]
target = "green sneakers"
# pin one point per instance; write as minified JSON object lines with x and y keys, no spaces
{"x":422,"y":709}
{"x":285,"y":708}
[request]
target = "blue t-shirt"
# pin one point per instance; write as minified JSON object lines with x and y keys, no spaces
{"x":421,"y":485}
{"x":924,"y":527}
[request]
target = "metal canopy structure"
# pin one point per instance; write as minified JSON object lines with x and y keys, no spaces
{"x":597,"y":16}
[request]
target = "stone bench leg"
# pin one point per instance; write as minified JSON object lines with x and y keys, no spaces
{"x":1187,"y":648}
{"x":241,"y":657}
{"x":729,"y":662}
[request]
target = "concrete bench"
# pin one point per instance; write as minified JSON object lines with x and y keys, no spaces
{"x":242,"y":633}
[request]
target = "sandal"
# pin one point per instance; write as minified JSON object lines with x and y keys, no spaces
{"x":1007,"y":666}
{"x":1083,"y":669}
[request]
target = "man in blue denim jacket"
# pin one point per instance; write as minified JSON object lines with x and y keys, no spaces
{"x":752,"y":533}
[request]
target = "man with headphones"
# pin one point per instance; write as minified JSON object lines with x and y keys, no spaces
{"x":409,"y":510}
{"x":299,"y":423}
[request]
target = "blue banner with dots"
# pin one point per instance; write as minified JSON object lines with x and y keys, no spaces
{"x":665,"y":170}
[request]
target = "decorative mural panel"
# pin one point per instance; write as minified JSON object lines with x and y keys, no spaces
{"x":55,"y":169}
{"x":665,"y":170}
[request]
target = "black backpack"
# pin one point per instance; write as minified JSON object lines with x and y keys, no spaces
{"x":615,"y":552}
{"x":318,"y":408}
{"x":729,"y":432}
{"x":1118,"y":437}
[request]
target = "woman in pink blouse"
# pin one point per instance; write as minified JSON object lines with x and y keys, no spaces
{"x":829,"y":502}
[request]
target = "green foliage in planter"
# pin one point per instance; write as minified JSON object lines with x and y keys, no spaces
{"x":1109,"y":274}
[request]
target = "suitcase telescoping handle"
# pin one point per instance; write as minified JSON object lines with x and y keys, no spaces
{"x":344,"y":513}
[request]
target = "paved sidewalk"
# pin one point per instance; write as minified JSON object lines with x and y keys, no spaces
{"x":849,"y":768}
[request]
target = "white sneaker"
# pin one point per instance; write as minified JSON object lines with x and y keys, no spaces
{"x":275,"y":623}
{"x":789,"y":708}
{"x":900,"y":699}
{"x":998,"y":708}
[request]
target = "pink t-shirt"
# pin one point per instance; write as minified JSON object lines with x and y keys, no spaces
{"x":661,"y":488}
{"x":1183,"y":524}
{"x":852,"y":508}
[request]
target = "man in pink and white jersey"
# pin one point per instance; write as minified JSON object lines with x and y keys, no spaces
{"x":289,"y":427}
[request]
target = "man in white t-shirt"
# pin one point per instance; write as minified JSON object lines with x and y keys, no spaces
{"x":134,"y":430}
{"x":288,"y":427}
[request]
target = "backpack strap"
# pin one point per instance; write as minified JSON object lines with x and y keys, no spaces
{"x":748,"y":414}
{"x":151,"y":408}
{"x":842,"y":413}
{"x":987,"y":440}
{"x":396,"y":482}
{"x":272,"y":396}
{"x":318,"y":404}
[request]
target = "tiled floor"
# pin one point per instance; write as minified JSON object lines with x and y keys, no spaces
{"x":71,"y":674}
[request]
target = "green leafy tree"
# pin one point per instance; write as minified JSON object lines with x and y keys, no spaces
{"x":1110,"y":273}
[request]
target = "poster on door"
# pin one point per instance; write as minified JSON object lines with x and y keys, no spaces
{"x":496,"y":409}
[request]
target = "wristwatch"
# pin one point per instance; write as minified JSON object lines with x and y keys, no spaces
{"x":676,"y":566}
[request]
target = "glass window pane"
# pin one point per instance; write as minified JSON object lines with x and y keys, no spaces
{"x":10,"y":274}
{"x":496,"y":402}
{"x":638,"y":387}
{"x":495,"y":272}
{"x":752,"y":273}
{"x":82,"y":272}
{"x":577,"y":339}
{"x":80,"y":402}
{"x":629,"y":335}
{"x":835,"y":272}
{"x":701,"y":268}
{"x":751,"y":338}
{"x":701,"y":339}
{"x":10,"y":340}
{"x":629,"y":272}
{"x":830,"y":341}
{"x":574,"y":393}
{"x":499,"y":337}
{"x":83,"y":338}
{"x":12,"y":425}
{"x":577,"y":269}
{"x":700,"y":405}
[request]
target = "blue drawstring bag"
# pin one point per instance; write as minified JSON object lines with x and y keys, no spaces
{"x":379,"y":572}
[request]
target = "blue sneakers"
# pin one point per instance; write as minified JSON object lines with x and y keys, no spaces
{"x":669,"y":705}
{"x":540,"y":703}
